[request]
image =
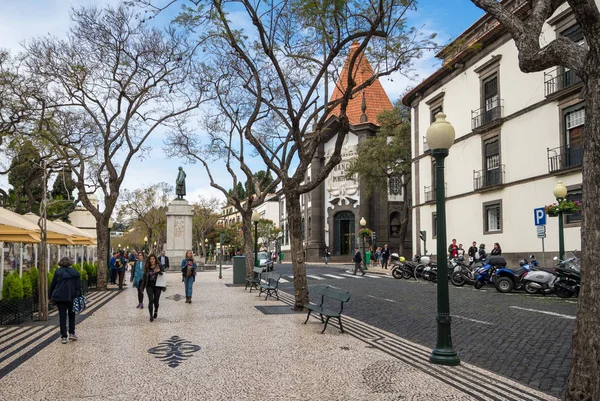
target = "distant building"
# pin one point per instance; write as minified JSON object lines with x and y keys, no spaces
{"x":517,"y":134}
{"x":84,"y":220}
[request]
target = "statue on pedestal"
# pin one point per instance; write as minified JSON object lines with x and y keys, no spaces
{"x":180,"y":184}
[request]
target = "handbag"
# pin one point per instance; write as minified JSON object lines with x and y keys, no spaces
{"x":79,"y":304}
{"x":161,"y":280}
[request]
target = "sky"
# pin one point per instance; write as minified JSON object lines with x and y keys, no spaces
{"x":21,"y":20}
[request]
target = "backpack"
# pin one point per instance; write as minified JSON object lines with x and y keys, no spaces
{"x":118,"y":264}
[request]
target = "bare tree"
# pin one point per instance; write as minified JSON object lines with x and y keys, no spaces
{"x":206,"y":215}
{"x":109,"y":86}
{"x":148,"y":206}
{"x":279,"y":68}
{"x":584,"y":61}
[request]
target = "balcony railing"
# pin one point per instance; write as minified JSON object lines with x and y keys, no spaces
{"x":488,"y":178}
{"x":564,"y":157}
{"x":430,"y":192}
{"x":425,"y":145}
{"x":559,"y":79}
{"x":486,"y":115}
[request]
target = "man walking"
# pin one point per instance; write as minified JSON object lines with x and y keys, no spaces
{"x":385,"y":256}
{"x":357,"y":261}
{"x":472,"y":252}
{"x":113,"y":268}
{"x":164,"y":260}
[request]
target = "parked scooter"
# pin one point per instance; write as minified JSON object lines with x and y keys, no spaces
{"x":462,"y":272}
{"x":486,"y":274}
{"x":507,"y":279}
{"x":397,"y":265}
{"x":565,"y":280}
{"x":409,"y":267}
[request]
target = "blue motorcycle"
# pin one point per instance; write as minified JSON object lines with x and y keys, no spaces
{"x":486,"y":273}
{"x":508,"y":279}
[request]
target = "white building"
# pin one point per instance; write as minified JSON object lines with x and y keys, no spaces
{"x":517,"y":134}
{"x":83,"y":219}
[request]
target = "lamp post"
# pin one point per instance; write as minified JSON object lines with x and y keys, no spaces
{"x":146,"y":244}
{"x":560,"y":193}
{"x":363,"y":224}
{"x":110,"y":226}
{"x":255,"y":218}
{"x":155,"y":250}
{"x":221,"y":239}
{"x":440,"y":137}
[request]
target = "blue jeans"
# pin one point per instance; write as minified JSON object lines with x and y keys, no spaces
{"x":188,"y":282}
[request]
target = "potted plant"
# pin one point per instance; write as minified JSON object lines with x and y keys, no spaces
{"x":367,"y":232}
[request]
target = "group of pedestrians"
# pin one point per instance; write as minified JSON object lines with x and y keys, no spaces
{"x":381,"y":256}
{"x":147,"y":275}
{"x":474,"y":253}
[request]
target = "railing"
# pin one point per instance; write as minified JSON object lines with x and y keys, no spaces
{"x":559,"y":79}
{"x":488,"y":178}
{"x":564,"y":157}
{"x":486,"y":115}
{"x":430,"y":192}
{"x":425,"y":145}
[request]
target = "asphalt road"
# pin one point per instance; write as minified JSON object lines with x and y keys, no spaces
{"x":523,"y":337}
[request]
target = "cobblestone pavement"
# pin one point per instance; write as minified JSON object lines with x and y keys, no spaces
{"x":227,"y":346}
{"x":519,"y":336}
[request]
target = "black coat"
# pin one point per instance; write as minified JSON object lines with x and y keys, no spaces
{"x":166,"y":265}
{"x":147,"y":281}
{"x":65,"y":285}
{"x":357,"y":257}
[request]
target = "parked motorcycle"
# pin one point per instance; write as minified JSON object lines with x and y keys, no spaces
{"x":409,"y":267}
{"x":397,"y":265}
{"x":486,"y":274}
{"x":507,"y":279}
{"x":462,"y":273}
{"x":565,"y":280}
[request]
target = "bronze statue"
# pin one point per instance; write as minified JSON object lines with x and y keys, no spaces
{"x":180,"y":184}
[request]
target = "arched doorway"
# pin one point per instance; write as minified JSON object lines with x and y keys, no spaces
{"x":343,"y":233}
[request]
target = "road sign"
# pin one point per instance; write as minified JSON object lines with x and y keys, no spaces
{"x":539,"y":216}
{"x":541,"y":231}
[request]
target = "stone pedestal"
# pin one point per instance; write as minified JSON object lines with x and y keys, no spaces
{"x":179,"y":230}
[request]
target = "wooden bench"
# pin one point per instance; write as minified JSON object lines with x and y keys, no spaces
{"x":269,"y":284}
{"x":254,"y":280}
{"x":329,"y":310}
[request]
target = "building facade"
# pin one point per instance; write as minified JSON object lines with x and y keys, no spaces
{"x":517,"y":134}
{"x":331,"y":213}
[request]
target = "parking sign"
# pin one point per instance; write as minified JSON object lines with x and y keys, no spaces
{"x":539,"y":216}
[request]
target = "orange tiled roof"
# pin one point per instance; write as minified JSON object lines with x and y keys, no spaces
{"x":375,"y":97}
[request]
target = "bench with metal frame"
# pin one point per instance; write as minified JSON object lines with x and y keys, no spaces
{"x":328,"y":311}
{"x":254,"y":280}
{"x":269,"y":284}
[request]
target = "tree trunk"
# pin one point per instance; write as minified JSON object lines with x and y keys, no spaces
{"x":584,"y":381}
{"x":297,"y":252}
{"x":102,"y":242}
{"x":248,"y":243}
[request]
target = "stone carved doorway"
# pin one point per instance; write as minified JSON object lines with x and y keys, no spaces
{"x":343,"y":233}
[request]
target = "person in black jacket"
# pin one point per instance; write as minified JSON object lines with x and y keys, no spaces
{"x":164,"y":260}
{"x":496,"y":251}
{"x":357,"y":262}
{"x":152,"y":270}
{"x":65,"y":286}
{"x":385,"y":256}
{"x":473,"y":252}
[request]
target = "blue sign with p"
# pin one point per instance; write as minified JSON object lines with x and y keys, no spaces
{"x":539,"y":216}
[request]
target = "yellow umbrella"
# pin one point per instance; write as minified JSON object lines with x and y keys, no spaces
{"x":55,"y":234}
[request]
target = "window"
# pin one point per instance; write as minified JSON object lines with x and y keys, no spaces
{"x":395,"y":184}
{"x":574,"y":121}
{"x":434,"y":225}
{"x":435,"y":110}
{"x":574,"y":33}
{"x":491,"y":150}
{"x":492,"y":217}
{"x":303,"y":228}
{"x":433,"y":174}
{"x":490,"y":99}
{"x":574,"y":195}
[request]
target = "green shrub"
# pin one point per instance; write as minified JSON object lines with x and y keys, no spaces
{"x":13,"y":286}
{"x":26,"y":284}
{"x":91,"y":269}
{"x":51,"y":274}
{"x":83,"y":273}
{"x":33,"y":277}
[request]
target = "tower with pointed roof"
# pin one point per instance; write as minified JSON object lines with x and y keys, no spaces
{"x":333,"y":210}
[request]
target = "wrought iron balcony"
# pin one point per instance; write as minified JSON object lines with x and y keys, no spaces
{"x":488,"y":178}
{"x":564,"y":157}
{"x":430,"y":192}
{"x":486,"y":115}
{"x":559,"y":79}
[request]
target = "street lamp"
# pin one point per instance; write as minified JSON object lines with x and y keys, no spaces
{"x":255,"y":218}
{"x":560,"y":193}
{"x":146,"y":244}
{"x":440,"y":137}
{"x":363,"y":223}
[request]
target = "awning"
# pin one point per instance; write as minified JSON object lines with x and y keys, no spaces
{"x":15,"y":228}
{"x":80,"y":237}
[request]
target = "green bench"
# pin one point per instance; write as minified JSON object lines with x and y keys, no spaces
{"x":254,"y":280}
{"x":332,"y":309}
{"x":269,"y":284}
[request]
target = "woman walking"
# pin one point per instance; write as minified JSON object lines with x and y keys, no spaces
{"x":65,"y":286}
{"x":188,"y":271}
{"x":137,"y":273}
{"x":151,"y":272}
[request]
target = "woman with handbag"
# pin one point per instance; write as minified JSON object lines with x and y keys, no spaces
{"x":137,"y":273}
{"x":65,"y":286}
{"x":153,"y":282}
{"x":188,"y":271}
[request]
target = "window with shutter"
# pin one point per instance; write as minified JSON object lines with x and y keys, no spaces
{"x":492,"y":162}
